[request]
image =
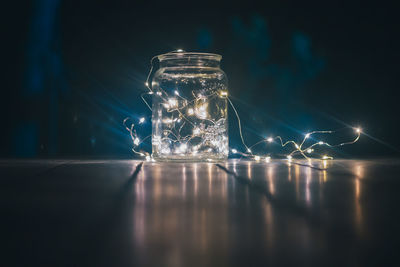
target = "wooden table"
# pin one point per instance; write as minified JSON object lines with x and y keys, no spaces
{"x":237,"y":213}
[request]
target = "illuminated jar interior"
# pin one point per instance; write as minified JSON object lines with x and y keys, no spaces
{"x":189,"y":110}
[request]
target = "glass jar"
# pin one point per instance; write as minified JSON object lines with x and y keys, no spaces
{"x":190,"y":109}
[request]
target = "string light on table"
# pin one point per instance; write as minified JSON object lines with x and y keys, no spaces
{"x":197,"y":108}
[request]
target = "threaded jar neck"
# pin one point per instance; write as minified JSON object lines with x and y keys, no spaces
{"x":189,"y":59}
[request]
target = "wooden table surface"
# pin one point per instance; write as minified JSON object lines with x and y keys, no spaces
{"x":125,"y":213}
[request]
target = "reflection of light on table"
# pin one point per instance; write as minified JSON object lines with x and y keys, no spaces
{"x":297,"y":177}
{"x":270,"y":177}
{"x":308,"y":181}
{"x":209,"y":165}
{"x":249,"y":169}
{"x":359,"y":171}
{"x":184,"y":180}
{"x":195,"y":178}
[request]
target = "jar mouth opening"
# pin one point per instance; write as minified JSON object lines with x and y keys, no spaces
{"x":189,"y":56}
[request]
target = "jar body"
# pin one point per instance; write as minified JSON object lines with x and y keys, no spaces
{"x":189,"y":109}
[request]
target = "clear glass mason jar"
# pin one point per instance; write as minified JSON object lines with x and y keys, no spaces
{"x":189,"y":108}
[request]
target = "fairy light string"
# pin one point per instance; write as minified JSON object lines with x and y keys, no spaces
{"x":183,"y":106}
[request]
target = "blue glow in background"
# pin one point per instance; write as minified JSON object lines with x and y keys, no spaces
{"x":76,"y":70}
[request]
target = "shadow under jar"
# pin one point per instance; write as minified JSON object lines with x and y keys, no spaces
{"x":190,"y":109}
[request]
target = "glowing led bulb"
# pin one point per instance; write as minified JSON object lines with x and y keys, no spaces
{"x":307,"y":135}
{"x":196,"y":131}
{"x":249,"y":150}
{"x":234,"y":151}
{"x":136,"y":141}
{"x":320,"y":143}
{"x":201,"y":110}
{"x":358,"y":130}
{"x":172,"y":102}
{"x":297,"y":146}
{"x":309,"y":151}
{"x":159,"y":93}
{"x":270,"y":139}
{"x":147,"y":84}
{"x":179,"y":50}
{"x":190,"y":111}
{"x":289,"y":157}
{"x":165,"y":151}
{"x":223,"y":93}
{"x":325,"y":157}
{"x":183,"y":147}
{"x":267,"y":159}
{"x":257,"y":158}
{"x":142,"y":119}
{"x":167,"y":121}
{"x":176,"y":93}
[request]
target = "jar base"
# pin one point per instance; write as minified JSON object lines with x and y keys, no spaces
{"x":189,"y":159}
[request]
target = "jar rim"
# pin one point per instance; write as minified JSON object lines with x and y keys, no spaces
{"x":188,"y":55}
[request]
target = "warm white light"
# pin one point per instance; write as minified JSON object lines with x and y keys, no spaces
{"x":147,"y":84}
{"x":176,"y":92}
{"x":307,"y":135}
{"x":201,"y":110}
{"x":267,"y":159}
{"x":325,"y":157}
{"x":172,"y":102}
{"x":270,"y":139}
{"x":196,"y":131}
{"x":297,"y":146}
{"x":167,"y":121}
{"x":165,"y":151}
{"x":234,"y":151}
{"x":223,"y":93}
{"x":190,"y":111}
{"x":142,"y":119}
{"x":358,"y":130}
{"x":249,"y":150}
{"x":179,"y":50}
{"x":289,"y":157}
{"x":183,"y":147}
{"x":309,"y":151}
{"x":136,"y":141}
{"x":257,"y":158}
{"x":320,"y":143}
{"x":159,"y":93}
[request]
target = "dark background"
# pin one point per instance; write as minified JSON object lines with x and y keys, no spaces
{"x":73,"y":70}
